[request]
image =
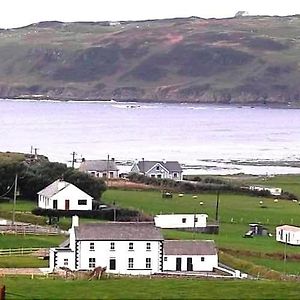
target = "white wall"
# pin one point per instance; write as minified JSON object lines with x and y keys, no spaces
{"x":111,"y":174}
{"x":61,"y":255}
{"x":176,"y":220}
{"x":288,"y":236}
{"x":102,"y":253}
{"x":210,"y":261}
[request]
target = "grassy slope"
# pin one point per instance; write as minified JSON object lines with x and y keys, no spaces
{"x":189,"y":59}
{"x":144,"y":288}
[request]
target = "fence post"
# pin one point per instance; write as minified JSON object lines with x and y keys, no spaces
{"x":2,"y":292}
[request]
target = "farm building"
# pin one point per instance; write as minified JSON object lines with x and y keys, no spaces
{"x":274,"y":191}
{"x":180,"y":220}
{"x":288,"y":234}
{"x":158,"y":169}
{"x":63,"y":195}
{"x":190,"y":256}
{"x":130,"y":248}
{"x":100,"y":168}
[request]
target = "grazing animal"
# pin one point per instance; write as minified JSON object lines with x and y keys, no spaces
{"x":97,"y":273}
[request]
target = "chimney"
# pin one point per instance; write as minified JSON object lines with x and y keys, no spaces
{"x":75,"y":221}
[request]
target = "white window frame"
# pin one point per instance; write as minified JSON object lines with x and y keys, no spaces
{"x":92,"y":262}
{"x":130,"y":262}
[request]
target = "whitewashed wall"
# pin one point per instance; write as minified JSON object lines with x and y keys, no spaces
{"x":176,"y":220}
{"x":210,"y":261}
{"x":61,"y":255}
{"x":102,"y":253}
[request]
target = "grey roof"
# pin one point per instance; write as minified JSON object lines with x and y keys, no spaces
{"x":137,"y":231}
{"x":53,"y":188}
{"x":171,"y":166}
{"x":98,"y":165}
{"x":189,"y":247}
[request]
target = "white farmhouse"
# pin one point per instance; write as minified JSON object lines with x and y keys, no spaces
{"x":181,"y":220}
{"x":100,"y":168}
{"x":274,"y":191}
{"x":130,"y":248}
{"x":288,"y":234}
{"x":190,"y":256}
{"x":63,"y":195}
{"x":126,"y":248}
{"x":158,"y":169}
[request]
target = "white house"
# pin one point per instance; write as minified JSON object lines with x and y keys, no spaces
{"x":180,"y":220}
{"x":190,"y":256}
{"x":288,"y":234}
{"x":100,"y":168}
{"x":63,"y":195}
{"x":158,"y":169}
{"x":130,"y":248}
{"x":126,"y":248}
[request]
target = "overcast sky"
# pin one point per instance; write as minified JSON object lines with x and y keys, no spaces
{"x":16,"y":13}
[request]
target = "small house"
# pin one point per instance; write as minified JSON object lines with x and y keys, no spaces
{"x":158,"y":169}
{"x":190,"y":255}
{"x":100,"y":168}
{"x":274,"y":191}
{"x":181,"y":220}
{"x":288,"y":234}
{"x":63,"y":195}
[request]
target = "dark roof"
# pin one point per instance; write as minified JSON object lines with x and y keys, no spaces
{"x":171,"y":166}
{"x":98,"y":165}
{"x":137,"y":231}
{"x":54,"y":188}
{"x":189,"y":247}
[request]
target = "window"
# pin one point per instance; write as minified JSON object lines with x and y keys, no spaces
{"x":148,"y":246}
{"x":175,"y":175}
{"x":92,"y":246}
{"x":54,"y":204}
{"x":159,"y":176}
{"x":112,"y":263}
{"x":152,"y":176}
{"x":92,"y":262}
{"x":130,"y":246}
{"x":202,"y":258}
{"x":93,"y":173}
{"x":196,"y":220}
{"x":148,"y":263}
{"x":183,"y":220}
{"x":104,"y":175}
{"x":66,"y":261}
{"x":165,"y":258}
{"x":111,"y":174}
{"x":82,"y":202}
{"x":130,"y":263}
{"x":157,"y":168}
{"x":112,"y":246}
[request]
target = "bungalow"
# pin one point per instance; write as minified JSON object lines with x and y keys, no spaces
{"x":190,"y":256}
{"x":130,"y":248}
{"x":100,"y":168}
{"x":63,"y":195}
{"x":158,"y":169}
{"x":288,"y":234}
{"x":180,"y":220}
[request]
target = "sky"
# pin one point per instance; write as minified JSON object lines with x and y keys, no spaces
{"x":17,"y":13}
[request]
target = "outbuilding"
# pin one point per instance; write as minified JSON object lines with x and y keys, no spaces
{"x":288,"y":234}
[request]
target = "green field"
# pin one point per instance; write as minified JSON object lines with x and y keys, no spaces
{"x":22,"y":262}
{"x":145,"y":288}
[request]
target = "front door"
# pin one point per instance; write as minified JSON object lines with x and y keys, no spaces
{"x":189,"y":264}
{"x":178,"y":263}
{"x":54,"y":204}
{"x":112,"y":264}
{"x":67,"y":204}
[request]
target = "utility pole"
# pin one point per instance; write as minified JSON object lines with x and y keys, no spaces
{"x":143,"y":162}
{"x":15,"y":200}
{"x":217,"y":206}
{"x":107,"y":168}
{"x":73,"y":158}
{"x":285,"y":254}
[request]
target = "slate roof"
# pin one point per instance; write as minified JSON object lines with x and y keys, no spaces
{"x":171,"y":166}
{"x":172,"y":247}
{"x":54,"y":188}
{"x":98,"y":165}
{"x":137,"y":231}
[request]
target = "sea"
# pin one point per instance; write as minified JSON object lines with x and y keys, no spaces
{"x":205,"y":139}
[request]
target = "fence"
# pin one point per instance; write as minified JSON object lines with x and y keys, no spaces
{"x":30,"y":229}
{"x":25,"y":251}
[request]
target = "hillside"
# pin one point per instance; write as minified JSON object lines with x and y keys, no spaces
{"x":245,"y":60}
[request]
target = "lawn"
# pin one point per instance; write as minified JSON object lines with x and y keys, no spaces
{"x":21,"y":205}
{"x":22,"y":262}
{"x":145,"y":288}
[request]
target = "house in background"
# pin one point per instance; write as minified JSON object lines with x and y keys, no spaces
{"x":63,"y":195}
{"x":158,"y":169}
{"x":288,"y":234}
{"x":274,"y":191}
{"x":190,"y":256}
{"x":181,"y":220}
{"x":100,"y":168}
{"x":130,"y":248}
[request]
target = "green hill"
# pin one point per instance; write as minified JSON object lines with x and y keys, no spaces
{"x":243,"y":60}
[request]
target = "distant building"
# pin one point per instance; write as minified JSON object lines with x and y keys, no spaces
{"x":272,"y":190}
{"x":100,"y":168}
{"x":180,"y":220}
{"x":158,"y":169}
{"x":63,"y":195}
{"x":288,"y":234}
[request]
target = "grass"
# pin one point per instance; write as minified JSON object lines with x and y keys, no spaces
{"x":22,"y":262}
{"x":144,"y":288}
{"x":21,"y":205}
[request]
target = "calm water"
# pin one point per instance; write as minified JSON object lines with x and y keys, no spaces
{"x":184,"y":132}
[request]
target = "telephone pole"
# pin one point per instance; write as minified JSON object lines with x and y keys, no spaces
{"x":15,"y":200}
{"x":73,"y":158}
